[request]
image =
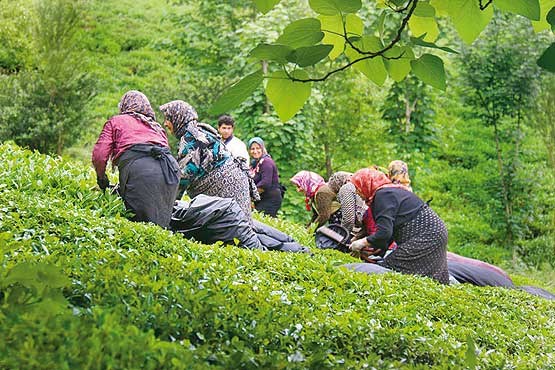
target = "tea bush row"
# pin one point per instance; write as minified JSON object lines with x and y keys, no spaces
{"x":82,"y":287}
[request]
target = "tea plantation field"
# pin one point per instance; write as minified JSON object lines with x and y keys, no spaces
{"x":83,"y":288}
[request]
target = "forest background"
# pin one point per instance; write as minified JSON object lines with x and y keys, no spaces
{"x":483,"y":150}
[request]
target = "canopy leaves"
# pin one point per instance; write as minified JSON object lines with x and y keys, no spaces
{"x":528,"y":8}
{"x":429,"y":69}
{"x":237,"y":93}
{"x":265,"y":5}
{"x":303,"y":32}
{"x":286,"y":95}
{"x":400,"y":31}
{"x":333,"y":7}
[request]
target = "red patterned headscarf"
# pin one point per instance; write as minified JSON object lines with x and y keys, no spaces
{"x":309,"y":182}
{"x":368,"y":181}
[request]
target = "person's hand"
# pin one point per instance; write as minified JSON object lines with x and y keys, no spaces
{"x":357,"y":245}
{"x":103,"y":182}
{"x":368,"y":254}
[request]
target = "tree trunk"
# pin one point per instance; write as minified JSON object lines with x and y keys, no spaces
{"x":327,"y":155}
{"x":504,"y":188}
{"x":266,"y":102}
{"x":60,"y":143}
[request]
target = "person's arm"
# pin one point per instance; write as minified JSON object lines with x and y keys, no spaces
{"x":347,"y":200}
{"x":266,"y":173}
{"x":189,"y":159}
{"x":385,"y":208}
{"x":103,"y":150}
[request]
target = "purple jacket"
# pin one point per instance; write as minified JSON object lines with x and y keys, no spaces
{"x":119,"y":134}
{"x":265,"y":173}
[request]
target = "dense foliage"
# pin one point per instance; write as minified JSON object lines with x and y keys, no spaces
{"x":170,"y":50}
{"x":82,"y":287}
{"x":345,"y":34}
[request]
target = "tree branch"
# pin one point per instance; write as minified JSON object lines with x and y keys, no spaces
{"x":327,"y":75}
{"x":367,"y":54}
{"x":484,"y":6}
{"x":394,"y":41}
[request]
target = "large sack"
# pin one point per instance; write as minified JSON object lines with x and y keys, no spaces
{"x":210,"y":219}
{"x":538,"y":292}
{"x":477,"y":275}
{"x":367,"y":268}
{"x":468,"y":270}
{"x":275,"y":240}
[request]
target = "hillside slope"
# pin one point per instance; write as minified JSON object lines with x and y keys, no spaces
{"x":82,"y":287}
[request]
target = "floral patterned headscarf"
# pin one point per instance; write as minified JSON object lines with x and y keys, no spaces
{"x":338,"y":179}
{"x":309,"y":182}
{"x":368,"y":181}
{"x":182,"y":116}
{"x":399,"y":173}
{"x":136,"y":104}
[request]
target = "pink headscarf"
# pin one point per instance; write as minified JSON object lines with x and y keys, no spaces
{"x":309,"y":182}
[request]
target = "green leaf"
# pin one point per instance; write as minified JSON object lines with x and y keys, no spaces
{"x":51,"y":276}
{"x":354,"y":25}
{"x":287,"y":96}
{"x":23,"y":273}
{"x":550,"y":18}
{"x":333,"y":7}
{"x":547,"y":59}
{"x":309,"y":55}
{"x":424,"y":27}
{"x":37,"y":276}
{"x":424,"y":10}
{"x":381,"y":21}
{"x":333,"y":25}
{"x":373,"y":68}
{"x":429,"y":69}
{"x":303,"y":32}
{"x":265,"y":6}
{"x":273,"y":52}
{"x":542,"y":24}
{"x":528,"y":8}
{"x":420,"y":42}
{"x":398,"y":69}
{"x":237,"y":93}
{"x":471,"y":360}
{"x":467,"y":17}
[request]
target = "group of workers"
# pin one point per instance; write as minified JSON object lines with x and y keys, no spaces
{"x":381,"y":209}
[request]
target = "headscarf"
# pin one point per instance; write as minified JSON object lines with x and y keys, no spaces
{"x":309,"y":182}
{"x":399,"y":173}
{"x":338,"y":179}
{"x":183,"y":118}
{"x":260,"y":142}
{"x":368,"y":181}
{"x":136,"y":104}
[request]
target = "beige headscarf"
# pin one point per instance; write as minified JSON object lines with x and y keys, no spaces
{"x":338,"y":179}
{"x":398,"y":173}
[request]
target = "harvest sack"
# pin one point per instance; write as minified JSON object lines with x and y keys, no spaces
{"x":210,"y":219}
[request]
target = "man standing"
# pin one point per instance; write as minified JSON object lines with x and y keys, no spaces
{"x":238,"y":149}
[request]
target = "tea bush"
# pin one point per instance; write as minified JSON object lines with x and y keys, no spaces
{"x":82,"y":287}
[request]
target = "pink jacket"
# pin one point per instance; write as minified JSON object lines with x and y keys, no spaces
{"x":119,"y":134}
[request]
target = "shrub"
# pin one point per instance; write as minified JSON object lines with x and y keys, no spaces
{"x":132,"y":295}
